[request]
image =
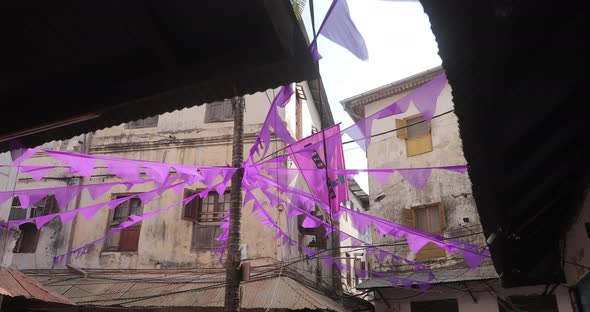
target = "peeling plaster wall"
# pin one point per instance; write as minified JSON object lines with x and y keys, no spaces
{"x":53,"y":236}
{"x":577,"y":247}
{"x":485,"y":301}
{"x":450,"y":188}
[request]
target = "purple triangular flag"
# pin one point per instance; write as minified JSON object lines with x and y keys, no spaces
{"x":37,"y":172}
{"x":189,"y":174}
{"x":459,"y":168}
{"x":116,"y":202}
{"x":126,"y":170}
{"x":64,"y":196}
{"x":210,"y":175}
{"x":97,"y":190}
{"x":147,"y":197}
{"x":40,"y":221}
{"x":416,"y":177}
{"x":293,"y":212}
{"x":31,"y":197}
{"x":67,"y":216}
{"x":282,"y":98}
{"x":310,"y":222}
{"x":78,"y":165}
{"x":416,"y":242}
{"x":178,"y":189}
{"x":382,"y":255}
{"x":426,"y":96}
{"x":89,"y":212}
{"x":158,"y":172}
{"x":381,"y":176}
{"x":339,"y":27}
{"x":24,"y":156}
{"x":473,"y":259}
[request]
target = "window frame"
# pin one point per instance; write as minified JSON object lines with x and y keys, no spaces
{"x":225,"y":116}
{"x":412,"y":143}
{"x":409,"y":218}
{"x":148,"y":122}
{"x":111,"y":223}
{"x":426,"y":305}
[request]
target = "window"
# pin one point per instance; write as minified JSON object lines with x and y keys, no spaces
{"x":206,"y":215}
{"x":149,"y":122}
{"x":529,"y":303}
{"x":128,"y":238}
{"x":428,"y":218}
{"x":447,"y":305}
{"x":417,"y":135}
{"x":219,"y":111}
{"x":29,"y":234}
{"x":319,"y":240}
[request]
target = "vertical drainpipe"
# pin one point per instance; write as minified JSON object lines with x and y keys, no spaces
{"x":87,"y":137}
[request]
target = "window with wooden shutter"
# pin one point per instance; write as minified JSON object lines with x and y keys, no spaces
{"x":219,"y":111}
{"x":417,"y":134}
{"x":191,"y":209}
{"x":128,"y":238}
{"x":429,"y":218}
{"x":29,"y":234}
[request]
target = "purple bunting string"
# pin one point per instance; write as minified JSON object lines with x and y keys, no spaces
{"x":272,"y":120}
{"x":416,"y":239}
{"x":134,"y":220}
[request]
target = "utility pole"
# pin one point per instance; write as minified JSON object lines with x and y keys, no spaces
{"x":232,"y":273}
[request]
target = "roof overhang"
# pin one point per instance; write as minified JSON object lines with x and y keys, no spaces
{"x":517,"y":70}
{"x":75,"y":67}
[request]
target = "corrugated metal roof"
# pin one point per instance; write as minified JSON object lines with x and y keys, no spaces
{"x":189,"y":289}
{"x":441,"y":276}
{"x":16,"y":284}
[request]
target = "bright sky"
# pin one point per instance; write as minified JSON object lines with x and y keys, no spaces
{"x":400,"y":44}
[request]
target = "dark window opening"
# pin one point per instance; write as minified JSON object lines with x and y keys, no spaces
{"x":29,"y":234}
{"x":447,"y":305}
{"x":528,"y":303}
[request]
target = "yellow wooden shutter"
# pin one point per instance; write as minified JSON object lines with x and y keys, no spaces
{"x":401,"y":133}
{"x":430,"y":250}
{"x":408,"y":217}
{"x":419,"y":145}
{"x":441,"y":214}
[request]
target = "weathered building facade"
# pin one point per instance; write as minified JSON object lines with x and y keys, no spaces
{"x":177,"y":238}
{"x":445,"y":206}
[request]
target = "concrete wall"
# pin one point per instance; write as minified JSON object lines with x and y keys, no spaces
{"x":485,"y":299}
{"x":450,"y":188}
{"x":577,"y":247}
